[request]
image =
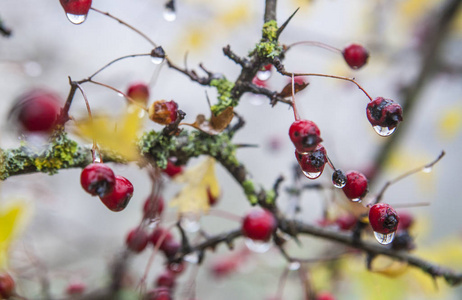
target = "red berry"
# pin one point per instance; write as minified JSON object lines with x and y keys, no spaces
{"x":139,"y":92}
{"x":137,"y":240}
{"x":224,"y":267}
{"x":176,"y":268}
{"x":166,"y":279}
{"x":325,"y":296}
{"x":355,"y":56}
{"x":258,"y":82}
{"x":37,"y":111}
{"x":170,"y":248}
{"x":163,"y":112}
{"x":153,"y":207}
{"x":75,"y":288}
{"x":259,"y":224}
{"x":312,"y":163}
{"x":405,"y":221}
{"x":6,"y":285}
{"x":160,"y":293}
{"x":356,"y":185}
{"x":384,"y":113}
{"x":76,"y":7}
{"x":159,"y":233}
{"x":383,"y":218}
{"x":97,"y":179}
{"x":346,"y":222}
{"x":212,"y":199}
{"x":118,"y":199}
{"x":172,"y":170}
{"x":305,"y":135}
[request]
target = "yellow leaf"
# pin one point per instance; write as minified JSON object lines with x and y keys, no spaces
{"x":193,"y":197}
{"x":450,"y":123}
{"x":118,"y":136}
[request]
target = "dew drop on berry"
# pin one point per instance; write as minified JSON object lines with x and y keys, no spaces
{"x":384,"y":131}
{"x":192,"y":258}
{"x":157,"y":60}
{"x":384,"y":239}
{"x":257,"y":246}
{"x":169,"y":14}
{"x":312,"y":175}
{"x":427,"y":169}
{"x":339,"y":179}
{"x":356,"y":200}
{"x":190,"y":222}
{"x":76,"y":19}
{"x":264,"y":75}
{"x":294,"y":266}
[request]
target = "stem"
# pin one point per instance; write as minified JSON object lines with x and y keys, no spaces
{"x":316,"y":44}
{"x":270,"y":10}
{"x":121,"y":93}
{"x":116,"y":60}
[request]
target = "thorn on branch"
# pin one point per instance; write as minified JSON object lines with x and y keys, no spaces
{"x":283,"y":26}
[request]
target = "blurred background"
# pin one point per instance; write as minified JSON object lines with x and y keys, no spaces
{"x":70,"y":236}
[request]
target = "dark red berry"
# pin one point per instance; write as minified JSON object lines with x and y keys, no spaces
{"x":158,"y":234}
{"x":160,"y":293}
{"x":166,"y":279}
{"x":312,"y":163}
{"x":163,"y":112}
{"x":384,"y":113}
{"x":76,"y":7}
{"x":355,"y":56}
{"x":139,"y":92}
{"x":6,"y":286}
{"x":402,"y":240}
{"x":346,"y":222}
{"x":259,"y":224}
{"x":97,"y":179}
{"x":305,"y":135}
{"x":176,"y":268}
{"x":405,"y":221}
{"x":172,"y":169}
{"x":170,"y":248}
{"x":137,"y":240}
{"x":325,"y":296}
{"x":118,"y":199}
{"x":37,"y":111}
{"x":75,"y":288}
{"x":383,"y":218}
{"x":153,"y":207}
{"x":356,"y":185}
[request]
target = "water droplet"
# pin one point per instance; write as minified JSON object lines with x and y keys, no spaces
{"x":190,"y":222}
{"x":258,"y":246}
{"x":339,"y":179}
{"x":427,"y":169}
{"x":192,"y":258}
{"x":76,"y":19}
{"x":384,"y":131}
{"x":121,"y":95}
{"x":384,"y":239}
{"x":264,"y":75}
{"x":169,"y":14}
{"x":294,"y":266}
{"x":312,"y":175}
{"x":356,"y":200}
{"x":152,"y":223}
{"x":157,"y":60}
{"x":257,"y":100}
{"x":96,"y":156}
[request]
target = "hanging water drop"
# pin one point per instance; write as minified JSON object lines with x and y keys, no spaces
{"x":339,"y":179}
{"x":384,"y":131}
{"x":264,"y":75}
{"x":192,"y":258}
{"x":312,"y":175}
{"x":294,"y":266}
{"x":157,"y":60}
{"x":190,"y":222}
{"x":384,"y":239}
{"x":427,"y":169}
{"x":169,"y":14}
{"x":121,"y":95}
{"x":356,"y":200}
{"x":76,"y":19}
{"x":257,"y":246}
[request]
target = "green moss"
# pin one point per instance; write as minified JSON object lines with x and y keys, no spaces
{"x":270,"y":196}
{"x":224,"y":88}
{"x":270,"y":30}
{"x":268,"y":49}
{"x":157,"y":146}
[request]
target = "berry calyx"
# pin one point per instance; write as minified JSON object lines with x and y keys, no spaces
{"x":153,"y":207}
{"x":118,"y":199}
{"x":137,"y":240}
{"x":305,"y":135}
{"x":383,"y":218}
{"x":384,"y":113}
{"x":97,"y":179}
{"x":37,"y":111}
{"x":172,"y":169}
{"x":355,"y":56}
{"x":163,"y":112}
{"x":259,"y":224}
{"x":312,"y":163}
{"x":356,"y":186}
{"x":6,"y":286}
{"x":139,"y":92}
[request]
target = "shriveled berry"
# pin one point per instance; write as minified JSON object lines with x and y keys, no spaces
{"x":384,"y":113}
{"x":355,"y":56}
{"x":153,"y":207}
{"x":163,"y":112}
{"x":305,"y":135}
{"x":383,"y":218}
{"x":166,"y":279}
{"x":339,"y":178}
{"x":6,"y":286}
{"x":97,"y":179}
{"x":118,"y":199}
{"x":139,"y":92}
{"x":172,"y":169}
{"x":258,"y":224}
{"x":312,"y":163}
{"x":76,"y":7}
{"x":356,"y":186}
{"x":137,"y":240}
{"x":75,"y":288}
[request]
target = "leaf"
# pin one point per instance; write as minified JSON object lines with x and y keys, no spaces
{"x":216,"y":124}
{"x":287,"y":90}
{"x":118,"y":136}
{"x":193,"y":198}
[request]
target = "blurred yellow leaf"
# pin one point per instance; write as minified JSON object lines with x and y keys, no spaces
{"x":118,"y":136}
{"x":11,"y":218}
{"x":450,"y":122}
{"x":193,"y":198}
{"x":236,"y":15}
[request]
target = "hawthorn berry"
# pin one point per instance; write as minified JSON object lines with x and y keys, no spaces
{"x":355,"y":56}
{"x":157,"y":234}
{"x":170,"y":248}
{"x":118,"y":199}
{"x":160,"y":293}
{"x":153,"y":207}
{"x":312,"y":163}
{"x":137,"y":240}
{"x":6,"y":286}
{"x":76,"y":10}
{"x":166,"y":279}
{"x":405,"y":221}
{"x":346,"y":222}
{"x":75,"y":288}
{"x":172,"y":169}
{"x":383,"y":218}
{"x":384,"y":115}
{"x":97,"y":179}
{"x":139,"y":92}
{"x":356,"y":186}
{"x":305,"y":135}
{"x":325,"y":296}
{"x":258,"y":225}
{"x":36,"y":111}
{"x":163,"y":112}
